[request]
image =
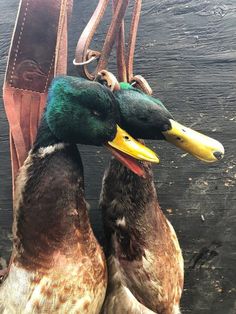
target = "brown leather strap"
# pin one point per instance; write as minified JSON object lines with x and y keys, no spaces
{"x":125,"y":65}
{"x":82,"y":48}
{"x":62,"y":38}
{"x":120,"y":50}
{"x":112,"y":33}
{"x":83,"y":53}
{"x":116,"y":31}
{"x":40,"y":30}
{"x":132,"y":38}
{"x":38,"y":52}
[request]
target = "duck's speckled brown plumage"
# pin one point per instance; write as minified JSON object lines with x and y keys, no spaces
{"x":58,"y":266}
{"x":145,"y":265}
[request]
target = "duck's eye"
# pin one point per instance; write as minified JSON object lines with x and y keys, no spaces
{"x":96,"y":113}
{"x":126,"y":138}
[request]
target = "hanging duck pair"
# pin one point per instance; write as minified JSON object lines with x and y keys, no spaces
{"x":57,"y":264}
{"x":145,"y":263}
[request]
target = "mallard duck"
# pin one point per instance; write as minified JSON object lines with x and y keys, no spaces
{"x":145,"y":263}
{"x":146,"y":117}
{"x":58,"y":265}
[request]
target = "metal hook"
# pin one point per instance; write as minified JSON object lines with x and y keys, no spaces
{"x":86,"y":62}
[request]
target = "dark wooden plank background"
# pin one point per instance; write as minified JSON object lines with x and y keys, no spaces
{"x":187,"y":51}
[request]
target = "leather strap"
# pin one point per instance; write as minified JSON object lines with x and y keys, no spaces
{"x":132,"y":38}
{"x":116,"y":31}
{"x":113,"y":30}
{"x":40,"y":31}
{"x":83,"y":53}
{"x":38,"y":52}
{"x":61,"y":52}
{"x":125,"y":64}
{"x":120,"y":49}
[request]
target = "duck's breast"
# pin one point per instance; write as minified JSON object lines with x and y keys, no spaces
{"x":69,"y":287}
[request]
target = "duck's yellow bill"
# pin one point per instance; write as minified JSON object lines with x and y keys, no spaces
{"x":129,"y":151}
{"x":128,"y":145}
{"x":194,"y":143}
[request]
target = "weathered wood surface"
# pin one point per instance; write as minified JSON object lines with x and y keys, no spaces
{"x":187,"y":51}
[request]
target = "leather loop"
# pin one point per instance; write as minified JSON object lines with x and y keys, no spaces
{"x":116,"y":32}
{"x":81,"y":53}
{"x":140,"y":82}
{"x":82,"y":48}
{"x":132,"y":38}
{"x":120,"y":50}
{"x":112,"y":33}
{"x":125,"y":65}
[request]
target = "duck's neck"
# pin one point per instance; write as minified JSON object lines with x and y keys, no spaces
{"x":49,"y":202}
{"x":44,"y":137}
{"x":130,"y":208}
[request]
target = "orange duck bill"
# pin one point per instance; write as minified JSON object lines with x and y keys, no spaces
{"x":129,"y":152}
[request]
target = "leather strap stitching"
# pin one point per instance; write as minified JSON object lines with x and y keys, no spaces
{"x":19,"y":40}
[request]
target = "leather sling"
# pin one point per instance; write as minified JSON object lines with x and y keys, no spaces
{"x":38,"y":52}
{"x":116,"y":32}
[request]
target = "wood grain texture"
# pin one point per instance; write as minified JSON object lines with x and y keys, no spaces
{"x":187,"y":51}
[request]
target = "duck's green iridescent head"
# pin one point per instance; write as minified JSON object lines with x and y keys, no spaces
{"x":80,"y":111}
{"x":146,"y":117}
{"x":142,"y":116}
{"x":83,"y":112}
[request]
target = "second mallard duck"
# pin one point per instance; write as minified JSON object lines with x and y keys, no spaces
{"x":145,"y":263}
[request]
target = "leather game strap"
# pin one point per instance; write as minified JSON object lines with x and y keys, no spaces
{"x":38,"y":51}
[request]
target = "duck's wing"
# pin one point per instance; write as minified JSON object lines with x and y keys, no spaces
{"x":121,"y":300}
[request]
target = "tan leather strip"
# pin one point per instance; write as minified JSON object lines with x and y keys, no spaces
{"x":34,"y":117}
{"x":87,"y":36}
{"x":62,"y":34}
{"x":14,"y":160}
{"x":125,"y":65}
{"x":132,"y":38}
{"x":112,"y":33}
{"x":83,"y":53}
{"x":121,"y":62}
{"x":13,"y":114}
{"x":43,"y":99}
{"x":25,"y":103}
{"x":120,"y":50}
